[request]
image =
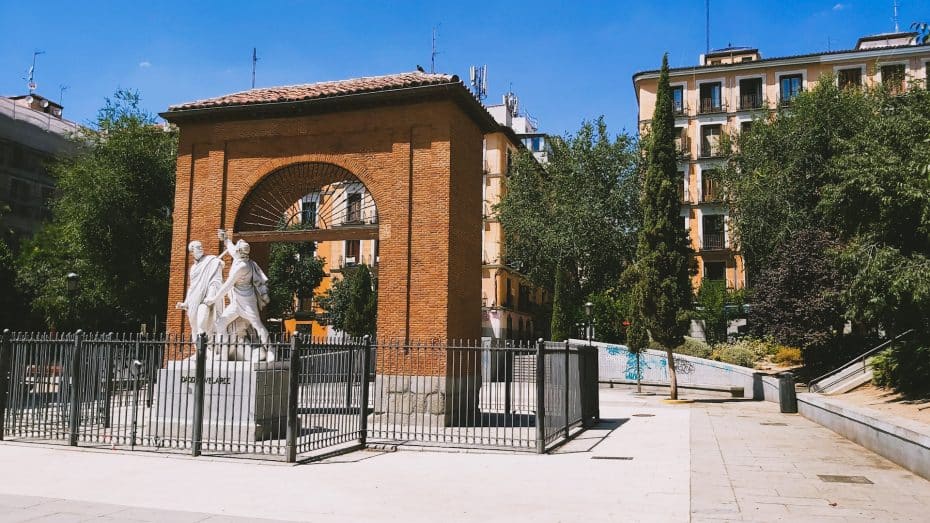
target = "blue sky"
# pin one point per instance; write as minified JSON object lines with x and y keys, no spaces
{"x":567,"y":61}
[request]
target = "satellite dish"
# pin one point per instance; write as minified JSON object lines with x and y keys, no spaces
{"x":44,"y":104}
{"x":30,"y":99}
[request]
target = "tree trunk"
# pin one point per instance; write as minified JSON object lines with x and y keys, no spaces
{"x":672,"y":376}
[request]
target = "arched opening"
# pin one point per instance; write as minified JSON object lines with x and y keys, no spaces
{"x":320,"y":205}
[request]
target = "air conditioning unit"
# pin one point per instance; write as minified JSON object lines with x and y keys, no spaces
{"x":350,"y":260}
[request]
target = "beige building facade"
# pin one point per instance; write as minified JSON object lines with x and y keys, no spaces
{"x":731,"y":87}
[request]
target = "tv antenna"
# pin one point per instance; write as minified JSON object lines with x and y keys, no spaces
{"x":61,"y":93}
{"x":432,"y":58}
{"x":254,"y":61}
{"x":478,"y":76}
{"x":707,"y":25}
{"x":31,"y":75}
{"x":895,"y":17}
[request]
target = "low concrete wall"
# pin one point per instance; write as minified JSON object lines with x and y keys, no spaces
{"x":617,"y":363}
{"x":900,"y":440}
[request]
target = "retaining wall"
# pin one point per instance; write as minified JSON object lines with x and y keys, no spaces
{"x":900,"y":440}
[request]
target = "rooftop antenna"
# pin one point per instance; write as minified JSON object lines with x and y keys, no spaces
{"x":432,"y":58}
{"x":895,"y":17}
{"x":707,"y":25}
{"x":828,"y":44}
{"x":478,"y":76}
{"x":254,"y":61}
{"x":31,"y":75}
{"x":61,"y":93}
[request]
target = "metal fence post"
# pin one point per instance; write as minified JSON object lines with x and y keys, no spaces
{"x":540,"y":396}
{"x":6,"y":351}
{"x":108,"y":384}
{"x":74,"y":414}
{"x":594,"y":377}
{"x":363,"y":394}
{"x":567,"y":408}
{"x":199,"y":379}
{"x":508,"y":385}
{"x":292,"y":392}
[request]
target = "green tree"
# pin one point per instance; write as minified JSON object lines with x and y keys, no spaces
{"x":111,"y":224}
{"x":661,"y":292}
{"x":351,"y":304}
{"x":294,"y":271}
{"x":575,"y":218}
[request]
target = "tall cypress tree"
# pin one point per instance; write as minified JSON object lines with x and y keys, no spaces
{"x":662,"y":273}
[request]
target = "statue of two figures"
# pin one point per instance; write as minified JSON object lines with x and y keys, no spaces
{"x":232,"y":325}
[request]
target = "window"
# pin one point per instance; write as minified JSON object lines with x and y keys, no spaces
{"x":508,"y":301}
{"x":715,"y":271}
{"x":750,"y":93}
{"x":713,"y":232}
{"x":710,"y":140}
{"x":20,"y":190}
{"x":791,"y":85}
{"x":509,"y":161}
{"x":354,"y":208}
{"x":849,"y":78}
{"x":710,"y":186}
{"x":509,"y":334}
{"x":745,"y":127}
{"x":893,"y":78}
{"x":353,"y":247}
{"x":682,"y":195}
{"x":308,"y":211}
{"x":711,"y":98}
{"x":681,"y":141}
{"x":747,"y":59}
{"x":678,"y":99}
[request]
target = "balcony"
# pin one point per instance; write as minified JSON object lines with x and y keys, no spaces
{"x":683,"y":147}
{"x":711,"y":191}
{"x":713,"y":241}
{"x":710,"y":106}
{"x":748,"y":102}
{"x":711,"y":150}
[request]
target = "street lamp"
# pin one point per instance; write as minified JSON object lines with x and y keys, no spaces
{"x":73,"y":283}
{"x":589,"y":312}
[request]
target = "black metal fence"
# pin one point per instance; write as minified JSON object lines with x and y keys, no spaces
{"x":214,"y":396}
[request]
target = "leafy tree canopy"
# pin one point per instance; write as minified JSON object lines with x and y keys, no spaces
{"x":351,"y":304}
{"x":111,"y":224}
{"x":294,"y":271}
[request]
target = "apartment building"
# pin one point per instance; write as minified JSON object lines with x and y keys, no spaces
{"x":731,"y":87}
{"x":512,"y":308}
{"x":32,"y":134}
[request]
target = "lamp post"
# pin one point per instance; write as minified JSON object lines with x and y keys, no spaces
{"x":73,"y":284}
{"x":589,"y":312}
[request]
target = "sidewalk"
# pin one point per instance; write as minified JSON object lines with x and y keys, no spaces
{"x":709,"y":461}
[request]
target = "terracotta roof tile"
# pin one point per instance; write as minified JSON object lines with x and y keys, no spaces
{"x":295,"y":93}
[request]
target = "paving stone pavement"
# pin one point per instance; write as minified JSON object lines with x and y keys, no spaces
{"x":749,"y":462}
{"x":712,"y":460}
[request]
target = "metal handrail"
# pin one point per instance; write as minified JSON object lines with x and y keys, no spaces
{"x":860,"y":358}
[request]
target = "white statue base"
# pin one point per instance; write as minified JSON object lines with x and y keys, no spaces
{"x":244,"y":402}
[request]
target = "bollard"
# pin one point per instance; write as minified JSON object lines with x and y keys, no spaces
{"x":293,"y":391}
{"x":6,"y":353}
{"x":199,"y":378}
{"x":787,"y":397}
{"x":74,"y":414}
{"x":363,"y":393}
{"x":540,"y":396}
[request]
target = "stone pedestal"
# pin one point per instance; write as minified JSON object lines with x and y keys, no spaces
{"x":437,"y":401}
{"x":244,"y":402}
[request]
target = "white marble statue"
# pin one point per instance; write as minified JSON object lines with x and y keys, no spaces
{"x":246,"y":286}
{"x":205,"y":280}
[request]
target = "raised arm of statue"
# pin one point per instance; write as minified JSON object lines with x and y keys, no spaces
{"x":234,"y":272}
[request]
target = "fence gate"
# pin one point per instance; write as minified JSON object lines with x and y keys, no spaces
{"x":162,"y":393}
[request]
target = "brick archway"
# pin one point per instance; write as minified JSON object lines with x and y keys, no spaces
{"x":413,"y":140}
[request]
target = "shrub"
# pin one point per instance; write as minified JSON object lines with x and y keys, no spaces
{"x":788,"y":356}
{"x":904,"y":367}
{"x":694,"y":347}
{"x":733,"y":353}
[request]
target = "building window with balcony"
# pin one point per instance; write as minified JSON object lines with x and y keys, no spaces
{"x":711,"y":98}
{"x":713,"y":232}
{"x":682,"y":146}
{"x":678,"y":99}
{"x":710,"y":140}
{"x":715,"y":271}
{"x":849,"y":78}
{"x":682,"y":192}
{"x":893,"y":78}
{"x":354,"y":208}
{"x":750,"y":94}
{"x":790,"y":85}
{"x":353,"y":251}
{"x":308,"y":208}
{"x":710,"y":186}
